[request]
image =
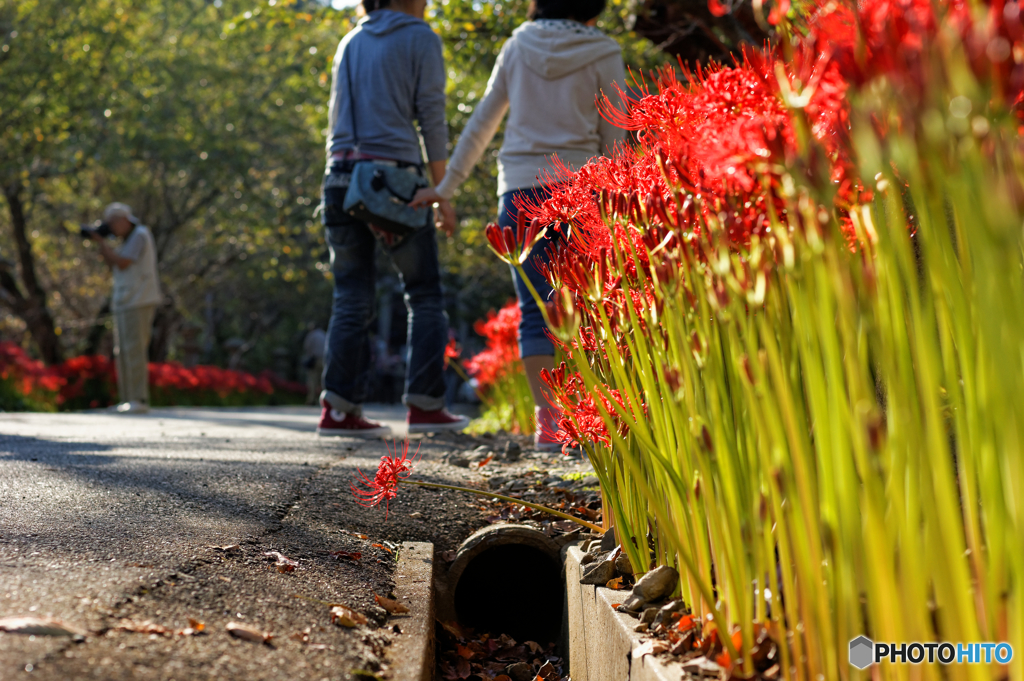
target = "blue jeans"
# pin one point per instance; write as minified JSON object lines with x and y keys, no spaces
{"x":347,"y":361}
{"x":533,"y":337}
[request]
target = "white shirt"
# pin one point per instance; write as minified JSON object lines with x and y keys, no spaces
{"x":138,"y":284}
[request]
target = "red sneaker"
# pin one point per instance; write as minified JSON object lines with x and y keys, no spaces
{"x":421,"y":421}
{"x":336,"y":423}
{"x":545,"y":437}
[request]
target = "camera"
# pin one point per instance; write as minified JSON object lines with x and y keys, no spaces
{"x":100,"y":228}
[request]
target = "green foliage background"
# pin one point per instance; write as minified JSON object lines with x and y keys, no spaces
{"x":208,"y":118}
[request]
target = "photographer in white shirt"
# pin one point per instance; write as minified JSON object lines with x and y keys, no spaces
{"x":136,"y":297}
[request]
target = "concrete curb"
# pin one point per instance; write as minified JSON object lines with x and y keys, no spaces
{"x":601,"y":641}
{"x":412,"y":653}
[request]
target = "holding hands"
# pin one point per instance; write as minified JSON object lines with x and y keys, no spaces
{"x":444,"y":218}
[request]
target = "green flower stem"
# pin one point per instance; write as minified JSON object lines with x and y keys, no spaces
{"x":502,"y":497}
{"x":533,"y":292}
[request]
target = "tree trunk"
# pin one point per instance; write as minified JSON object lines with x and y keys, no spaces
{"x":29,"y":300}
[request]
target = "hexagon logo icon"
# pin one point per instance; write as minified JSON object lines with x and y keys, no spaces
{"x":862,"y":652}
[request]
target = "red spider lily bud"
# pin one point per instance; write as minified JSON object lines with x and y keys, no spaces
{"x":672,"y":378}
{"x":563,"y":317}
{"x":659,"y":157}
{"x":657,"y":208}
{"x":514,"y":246}
{"x":697,"y":348}
{"x":705,"y":439}
{"x":635,"y":209}
{"x":649,"y":206}
{"x":745,"y":363}
{"x":621,"y":205}
{"x":496,"y":240}
{"x":604,"y":206}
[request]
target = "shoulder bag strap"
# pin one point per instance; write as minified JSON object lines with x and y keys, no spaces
{"x":351,"y":99}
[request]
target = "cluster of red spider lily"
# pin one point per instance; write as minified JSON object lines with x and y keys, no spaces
{"x":501,"y":356}
{"x":90,"y":381}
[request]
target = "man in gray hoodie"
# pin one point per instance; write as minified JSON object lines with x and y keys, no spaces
{"x":388,"y":76}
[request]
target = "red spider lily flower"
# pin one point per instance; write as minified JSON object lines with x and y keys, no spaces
{"x":451,"y":351}
{"x":511,"y":246}
{"x":383,"y":487}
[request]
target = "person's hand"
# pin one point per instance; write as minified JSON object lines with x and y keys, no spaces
{"x":95,"y":237}
{"x":427,"y":196}
{"x":445,"y":217}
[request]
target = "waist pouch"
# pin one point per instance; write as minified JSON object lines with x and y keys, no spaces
{"x":378,"y":193}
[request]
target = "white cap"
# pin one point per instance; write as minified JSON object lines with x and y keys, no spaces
{"x":119,"y":210}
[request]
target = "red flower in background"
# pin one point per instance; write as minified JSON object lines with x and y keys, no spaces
{"x":501,"y":332}
{"x":452,"y":351}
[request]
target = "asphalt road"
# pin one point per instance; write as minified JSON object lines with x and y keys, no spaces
{"x":109,"y":520}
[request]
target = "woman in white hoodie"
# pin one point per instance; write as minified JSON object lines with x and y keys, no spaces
{"x":547,"y":77}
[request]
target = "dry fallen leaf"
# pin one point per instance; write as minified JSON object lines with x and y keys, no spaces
{"x":392,"y":606}
{"x":381,"y":546}
{"x":482,"y":463}
{"x":301,"y":636}
{"x":226,"y":549}
{"x":194,"y":628}
{"x":248,"y":633}
{"x":350,"y":555}
{"x":650,"y":647}
{"x":615,"y":584}
{"x":284,"y":563}
{"x":146,"y":627}
{"x":37,"y":626}
{"x":346,"y":617}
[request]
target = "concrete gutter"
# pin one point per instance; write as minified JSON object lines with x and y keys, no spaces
{"x":602,"y":642}
{"x":412,"y":653}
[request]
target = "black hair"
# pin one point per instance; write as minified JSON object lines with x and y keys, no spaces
{"x":370,"y":5}
{"x":579,"y":10}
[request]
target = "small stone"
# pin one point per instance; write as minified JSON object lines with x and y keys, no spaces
{"x":599,"y":573}
{"x":512,"y":451}
{"x":590,"y":481}
{"x":608,"y":542}
{"x":623,"y":565}
{"x":587,"y":559}
{"x":496,"y":482}
{"x":459,"y":460}
{"x":656,"y":584}
{"x":476,"y":455}
{"x":649,"y":615}
{"x":551,"y":479}
{"x":664,"y":614}
{"x":520,"y":671}
{"x":482,"y":449}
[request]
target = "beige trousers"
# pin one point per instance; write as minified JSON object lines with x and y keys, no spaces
{"x":132,"y":331}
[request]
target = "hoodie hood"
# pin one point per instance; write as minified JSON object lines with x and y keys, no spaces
{"x":385,"y":21}
{"x":554,"y":48}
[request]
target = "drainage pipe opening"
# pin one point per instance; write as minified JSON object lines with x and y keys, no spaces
{"x":507,"y":579}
